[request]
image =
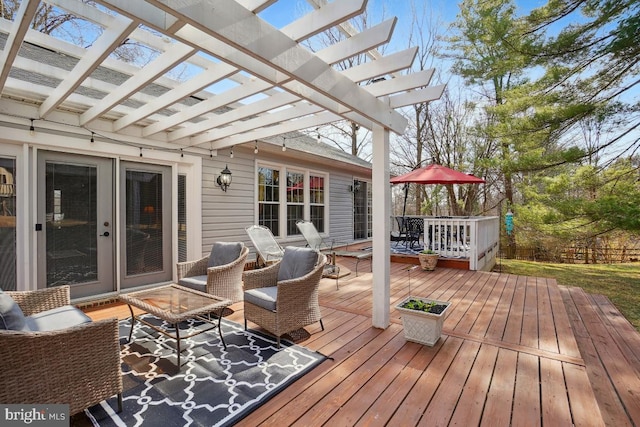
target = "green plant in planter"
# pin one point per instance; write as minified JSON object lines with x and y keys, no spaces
{"x":428,"y":307}
{"x":428,"y":252}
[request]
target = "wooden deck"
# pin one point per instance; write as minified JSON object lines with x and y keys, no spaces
{"x":515,"y":351}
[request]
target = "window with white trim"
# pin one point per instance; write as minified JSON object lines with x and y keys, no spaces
{"x":301,"y":196}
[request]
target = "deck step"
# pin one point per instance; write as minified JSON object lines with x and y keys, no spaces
{"x":608,"y":354}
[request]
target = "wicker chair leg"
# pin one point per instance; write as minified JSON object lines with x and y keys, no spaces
{"x":119,"y":403}
{"x":321,"y":325}
{"x":245,"y":324}
{"x":278,"y":341}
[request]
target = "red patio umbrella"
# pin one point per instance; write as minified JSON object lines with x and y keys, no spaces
{"x":433,"y":174}
{"x":436,"y":174}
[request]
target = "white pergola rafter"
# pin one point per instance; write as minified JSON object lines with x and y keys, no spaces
{"x":362,"y":72}
{"x":253,"y":42}
{"x":93,"y":59}
{"x":18,"y":30}
{"x":158,"y":67}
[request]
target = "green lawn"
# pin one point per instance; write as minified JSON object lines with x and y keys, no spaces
{"x":619,"y":282}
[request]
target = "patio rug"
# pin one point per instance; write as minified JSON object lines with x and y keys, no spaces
{"x":213,"y":387}
{"x":401,"y":249}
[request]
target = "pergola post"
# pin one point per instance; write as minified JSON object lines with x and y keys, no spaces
{"x":381,"y":228}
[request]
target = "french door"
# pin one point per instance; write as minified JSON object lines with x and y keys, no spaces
{"x":145,"y":215}
{"x":75,"y":223}
{"x":79,"y":227}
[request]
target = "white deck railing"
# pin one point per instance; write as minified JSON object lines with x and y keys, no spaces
{"x":473,"y":238}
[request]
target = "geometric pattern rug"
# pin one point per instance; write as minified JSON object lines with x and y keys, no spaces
{"x":213,"y":387}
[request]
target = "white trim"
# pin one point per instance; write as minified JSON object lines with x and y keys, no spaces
{"x":193,"y":196}
{"x":116,"y":231}
{"x":381,"y":248}
{"x":20,"y":156}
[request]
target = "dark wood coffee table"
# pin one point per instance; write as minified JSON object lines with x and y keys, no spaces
{"x":175,"y":304}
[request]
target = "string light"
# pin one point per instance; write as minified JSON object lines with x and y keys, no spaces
{"x":33,"y":131}
{"x":255,"y":150}
{"x":318,"y":130}
{"x":211,"y":153}
{"x":231,"y":154}
{"x":181,"y":153}
{"x":284,"y":147}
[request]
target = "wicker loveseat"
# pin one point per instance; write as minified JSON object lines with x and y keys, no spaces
{"x":282,"y":306}
{"x":77,"y":365}
{"x":219,"y":273}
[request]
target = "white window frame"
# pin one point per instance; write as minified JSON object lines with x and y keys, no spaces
{"x":284,"y":169}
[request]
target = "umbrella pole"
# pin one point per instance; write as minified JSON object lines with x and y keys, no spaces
{"x":406,"y":194}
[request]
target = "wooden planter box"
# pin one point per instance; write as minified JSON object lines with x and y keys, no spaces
{"x":420,"y":326}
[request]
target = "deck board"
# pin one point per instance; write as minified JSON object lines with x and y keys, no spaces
{"x":383,"y":409}
{"x":471,"y":403}
{"x":623,"y":375}
{"x":526,"y":401}
{"x":513,"y":328}
{"x":410,"y":411}
{"x":554,"y":400}
{"x":499,"y":401}
{"x":515,"y":351}
{"x":548,"y":339}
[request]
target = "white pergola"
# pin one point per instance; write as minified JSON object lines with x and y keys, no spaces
{"x":254,"y":81}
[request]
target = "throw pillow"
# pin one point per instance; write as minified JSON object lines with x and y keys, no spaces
{"x":11,"y":316}
{"x":296,"y":262}
{"x":224,"y":253}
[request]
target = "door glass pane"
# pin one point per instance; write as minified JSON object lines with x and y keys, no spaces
{"x":8,"y":224}
{"x":71,"y":224}
{"x":182,"y":218}
{"x":144,"y":222}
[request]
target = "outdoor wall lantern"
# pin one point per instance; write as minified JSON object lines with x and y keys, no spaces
{"x":224,"y":179}
{"x":355,"y":187}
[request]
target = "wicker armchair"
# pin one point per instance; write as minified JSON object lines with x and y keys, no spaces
{"x":223,"y":280}
{"x":78,"y":366}
{"x":296,"y":300}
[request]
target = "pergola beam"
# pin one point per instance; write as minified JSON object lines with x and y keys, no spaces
{"x":299,"y":110}
{"x":368,"y":39}
{"x":158,"y":67}
{"x":237,"y":114}
{"x":322,"y":19}
{"x":430,"y":93}
{"x":198,"y":83}
{"x":383,"y":66}
{"x":24,"y":16}
{"x":94,"y":57}
{"x":339,"y":51}
{"x":250,"y":39}
{"x":217,"y":121}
